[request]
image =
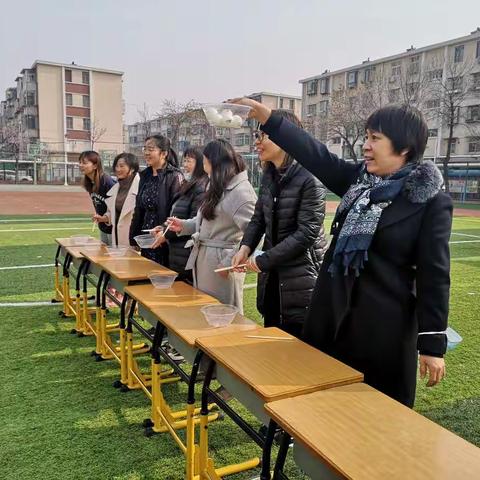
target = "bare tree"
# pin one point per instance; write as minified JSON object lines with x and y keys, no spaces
{"x":145,"y":120}
{"x":448,"y":97}
{"x":179,"y":116}
{"x":11,"y":144}
{"x":96,"y":132}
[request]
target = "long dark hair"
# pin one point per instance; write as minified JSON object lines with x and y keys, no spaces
{"x":88,"y":184}
{"x":163,"y":143}
{"x":226,"y":163}
{"x":287,"y":161}
{"x":199,"y":174}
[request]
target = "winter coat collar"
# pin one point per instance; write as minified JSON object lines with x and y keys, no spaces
{"x":237,"y":179}
{"x":421,"y":185}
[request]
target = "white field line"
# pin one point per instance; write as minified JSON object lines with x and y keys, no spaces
{"x":27,"y":304}
{"x":465,"y":259}
{"x":19,"y":267}
{"x":11,"y":230}
{"x":466,"y":235}
{"x":41,"y":220}
{"x":464,"y":241}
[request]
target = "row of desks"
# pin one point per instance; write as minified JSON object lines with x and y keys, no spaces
{"x":341,"y":427}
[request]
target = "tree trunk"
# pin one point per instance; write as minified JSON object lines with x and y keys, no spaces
{"x":446,"y":160}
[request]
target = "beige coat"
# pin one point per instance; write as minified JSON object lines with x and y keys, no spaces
{"x":126,"y":215}
{"x":216,"y":241}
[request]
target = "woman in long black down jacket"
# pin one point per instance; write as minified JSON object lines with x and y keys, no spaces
{"x":383,"y":291}
{"x":159,"y":186}
{"x":290,"y":210}
{"x":190,"y":198}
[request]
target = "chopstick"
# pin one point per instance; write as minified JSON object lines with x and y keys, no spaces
{"x":269,"y":338}
{"x":224,"y":269}
{"x":166,"y":230}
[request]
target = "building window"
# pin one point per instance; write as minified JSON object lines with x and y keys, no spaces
{"x":69,"y":99}
{"x":415,"y":64}
{"x":477,"y":55}
{"x":474,"y":145}
{"x":352,"y":79}
{"x":323,"y":107}
{"x":433,"y":132}
{"x":86,"y":124}
{"x":311,"y":110}
{"x":68,"y":75}
{"x":280,"y":103}
{"x":458,"y":55}
{"x":453,"y":145}
{"x":435,"y":103}
{"x":368,"y":75}
{"x":292,"y":104}
{"x":30,"y":122}
{"x":70,"y":123}
{"x":312,"y":87}
{"x":473,"y":113}
{"x":30,"y":98}
{"x":241,"y":140}
{"x":324,"y":85}
{"x":476,"y":81}
{"x":336,"y":140}
{"x":86,"y":101}
{"x":435,"y":74}
{"x":85,"y":78}
{"x":396,"y":69}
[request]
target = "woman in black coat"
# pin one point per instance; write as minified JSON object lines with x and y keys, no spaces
{"x":186,"y":205}
{"x":383,"y":291}
{"x":289,"y":211}
{"x":159,"y":186}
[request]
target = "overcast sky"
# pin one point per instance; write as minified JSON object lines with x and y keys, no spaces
{"x":209,"y":50}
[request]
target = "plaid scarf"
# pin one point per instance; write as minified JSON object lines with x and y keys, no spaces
{"x":363,"y":205}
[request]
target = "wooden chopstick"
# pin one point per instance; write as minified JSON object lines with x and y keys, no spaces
{"x":224,"y":269}
{"x":269,"y":338}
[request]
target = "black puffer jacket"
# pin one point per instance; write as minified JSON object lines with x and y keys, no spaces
{"x":290,"y":213}
{"x":185,"y":207}
{"x":171,"y":178}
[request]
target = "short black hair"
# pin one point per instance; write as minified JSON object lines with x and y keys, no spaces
{"x":404,"y":126}
{"x":130,"y":159}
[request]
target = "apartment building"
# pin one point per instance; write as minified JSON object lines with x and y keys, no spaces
{"x":57,"y":110}
{"x":411,"y":72}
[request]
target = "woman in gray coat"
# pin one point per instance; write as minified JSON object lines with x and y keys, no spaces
{"x":220,"y":223}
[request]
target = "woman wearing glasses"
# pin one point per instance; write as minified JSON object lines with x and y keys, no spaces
{"x":220,"y":223}
{"x":159,"y":185}
{"x":289,"y":211}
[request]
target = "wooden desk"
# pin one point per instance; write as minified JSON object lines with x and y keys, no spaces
{"x":356,"y":432}
{"x":258,"y":370}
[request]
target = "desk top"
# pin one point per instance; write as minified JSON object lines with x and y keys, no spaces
{"x":75,"y":252}
{"x":178,"y":308}
{"x":68,"y":242}
{"x":363,"y":434}
{"x":129,"y":267}
{"x":275,"y":368}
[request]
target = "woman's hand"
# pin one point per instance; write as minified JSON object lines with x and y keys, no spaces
{"x":156,"y":230}
{"x":252,"y":265}
{"x":174,"y":224}
{"x":100,"y":218}
{"x":159,"y":239}
{"x":258,"y":111}
{"x":224,"y":273}
{"x":435,"y":367}
{"x":240,"y":258}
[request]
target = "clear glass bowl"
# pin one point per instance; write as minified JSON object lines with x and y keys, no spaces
{"x":161,"y":279}
{"x":117,"y":251}
{"x":145,"y":241}
{"x":219,"y":315}
{"x":226,"y":115}
{"x":81,"y":239}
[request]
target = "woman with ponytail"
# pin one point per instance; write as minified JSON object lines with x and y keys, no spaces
{"x":159,"y":185}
